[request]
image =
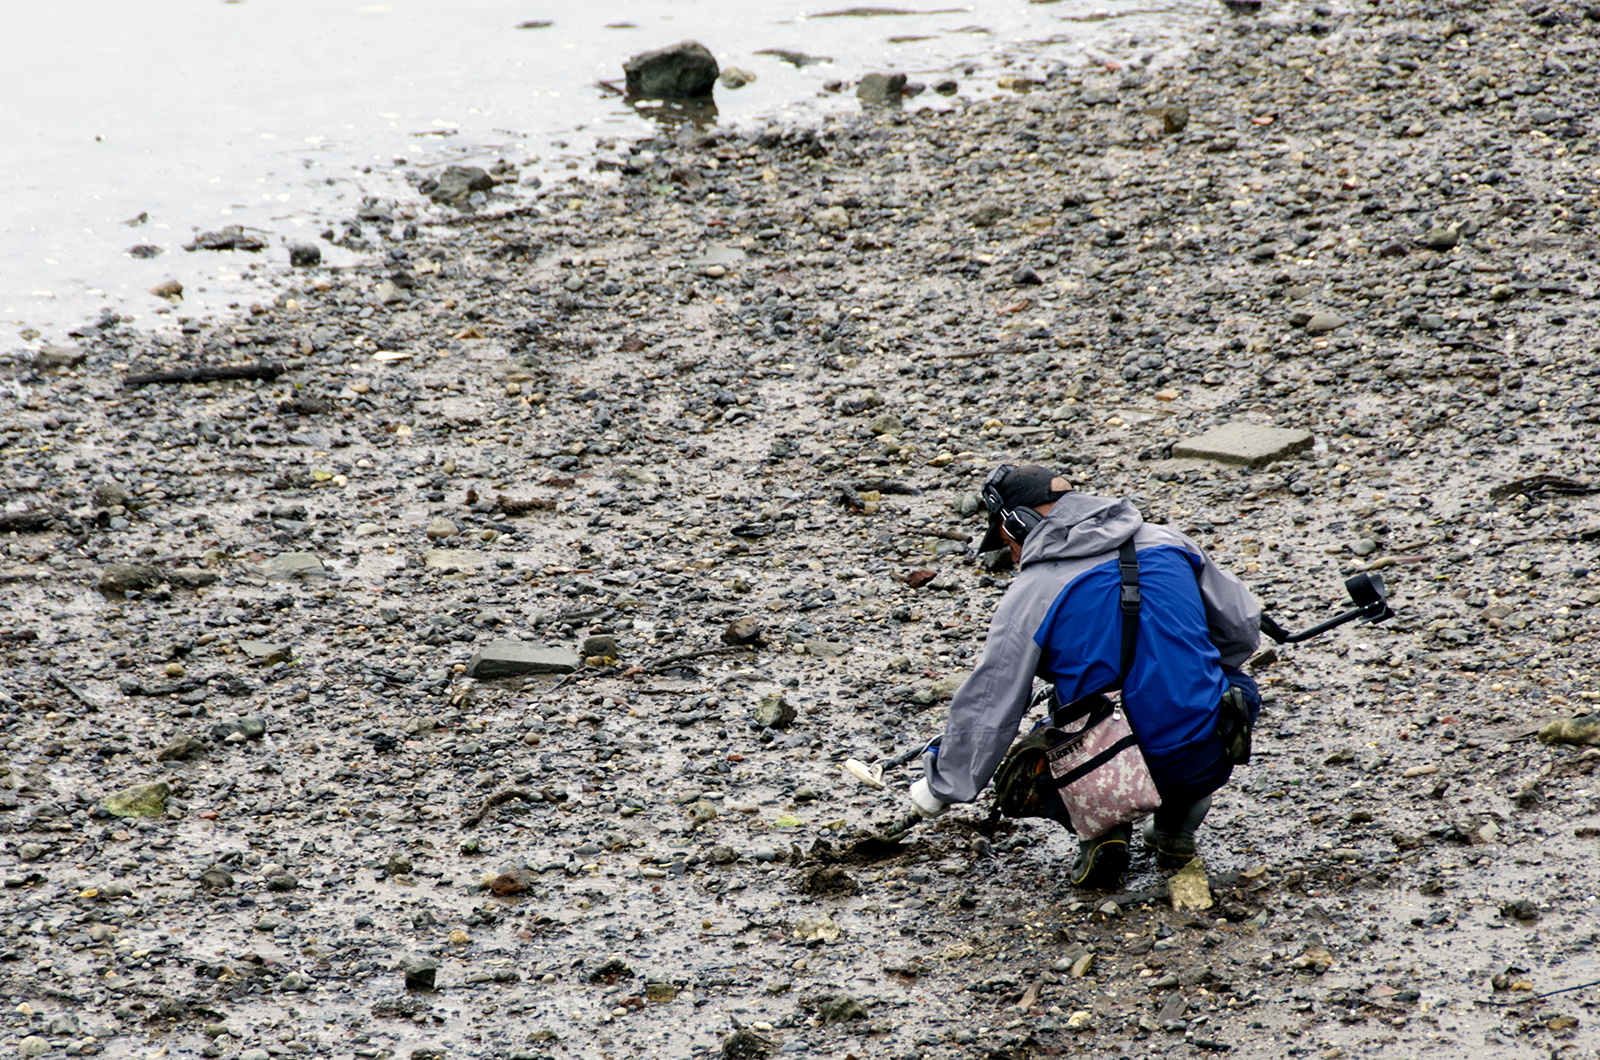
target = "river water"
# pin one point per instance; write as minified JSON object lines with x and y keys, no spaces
{"x":143,"y":124}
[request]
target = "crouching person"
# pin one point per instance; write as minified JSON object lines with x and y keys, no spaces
{"x":1188,"y":704}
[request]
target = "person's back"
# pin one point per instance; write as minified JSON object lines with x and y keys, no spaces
{"x":1175,"y":682}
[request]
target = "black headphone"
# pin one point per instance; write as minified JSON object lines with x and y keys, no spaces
{"x":1018,"y":523}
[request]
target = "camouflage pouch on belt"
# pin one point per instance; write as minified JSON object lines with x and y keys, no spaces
{"x":1233,"y":727}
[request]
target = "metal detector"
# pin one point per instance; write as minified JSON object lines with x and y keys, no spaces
{"x":1372,"y":605}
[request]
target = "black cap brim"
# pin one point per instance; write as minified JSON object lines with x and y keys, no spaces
{"x":992,"y":541}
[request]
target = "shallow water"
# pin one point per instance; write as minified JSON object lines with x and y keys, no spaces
{"x":196,"y":114}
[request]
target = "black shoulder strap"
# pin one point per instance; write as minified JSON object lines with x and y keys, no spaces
{"x":1128,"y":565}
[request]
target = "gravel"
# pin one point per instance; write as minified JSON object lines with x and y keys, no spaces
{"x":724,"y":403}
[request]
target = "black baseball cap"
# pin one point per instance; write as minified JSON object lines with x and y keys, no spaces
{"x":1009,"y":487}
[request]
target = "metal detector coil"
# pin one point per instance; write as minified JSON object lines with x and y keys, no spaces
{"x":1369,"y":596}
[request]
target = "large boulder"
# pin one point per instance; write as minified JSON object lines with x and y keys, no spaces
{"x":686,"y":70}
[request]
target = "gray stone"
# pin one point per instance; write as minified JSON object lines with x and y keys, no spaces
{"x":1319,"y":322}
{"x":826,"y":649}
{"x":840,"y":1008}
{"x":746,"y":1044}
{"x":65,"y":1024}
{"x":192,"y":577}
{"x":33,"y":1045}
{"x":643,"y":476}
{"x":249,"y":727}
{"x":141,"y":800}
{"x":989,"y":213}
{"x":1190,"y":888}
{"x":30,"y":852}
{"x":876,"y":90}
{"x":295,"y":983}
{"x":266,"y":652}
{"x":458,"y":558}
{"x":457,"y":183}
{"x":602,"y":645}
{"x":292,"y":566}
{"x":1248,"y":444}
{"x":182,"y":746}
{"x":304,"y":255}
{"x":233,"y":237}
{"x":129,"y":577}
{"x":733,"y":77}
{"x":441,"y":528}
{"x":508,"y":658}
{"x":686,"y":70}
{"x":886,"y":423}
{"x":59,"y":357}
{"x":774,"y":712}
{"x":1174,"y":118}
{"x":1441,"y":238}
{"x":109,"y":495}
{"x":831,"y":219}
{"x":744,"y":630}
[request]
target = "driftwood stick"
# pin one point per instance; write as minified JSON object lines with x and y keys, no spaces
{"x":499,"y":798}
{"x":208,"y":373}
{"x":678,"y":660}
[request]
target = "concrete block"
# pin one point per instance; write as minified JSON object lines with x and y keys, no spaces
{"x":1246,"y":444}
{"x":509,"y":658}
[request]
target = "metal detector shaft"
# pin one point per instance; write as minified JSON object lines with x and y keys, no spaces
{"x":1372,"y":604}
{"x":1270,"y":627}
{"x":896,"y":831}
{"x":904,"y":756}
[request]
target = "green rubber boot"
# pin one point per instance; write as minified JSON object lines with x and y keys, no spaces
{"x":1170,"y":833}
{"x":1101,"y":862}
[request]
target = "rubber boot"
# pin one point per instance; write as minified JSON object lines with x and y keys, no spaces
{"x":1101,"y":862}
{"x":1170,"y":832}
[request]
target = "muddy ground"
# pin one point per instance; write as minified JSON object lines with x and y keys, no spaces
{"x":759,"y":376}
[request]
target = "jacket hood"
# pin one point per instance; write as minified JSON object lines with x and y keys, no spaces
{"x":1080,"y":526}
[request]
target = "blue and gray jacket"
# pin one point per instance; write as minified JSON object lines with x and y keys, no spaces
{"x":1060,"y":621}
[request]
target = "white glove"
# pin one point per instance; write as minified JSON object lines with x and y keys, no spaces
{"x":923,"y":802}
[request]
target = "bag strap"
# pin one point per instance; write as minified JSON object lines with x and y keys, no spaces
{"x":1128,"y":567}
{"x":1128,"y":604}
